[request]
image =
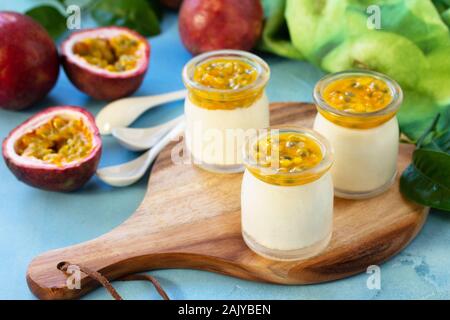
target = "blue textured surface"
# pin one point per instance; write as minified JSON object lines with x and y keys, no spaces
{"x":34,"y":221}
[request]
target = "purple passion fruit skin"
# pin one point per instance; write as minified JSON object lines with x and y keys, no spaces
{"x":206,"y":25}
{"x":48,"y":175}
{"x":29,"y":62}
{"x":95,"y":80}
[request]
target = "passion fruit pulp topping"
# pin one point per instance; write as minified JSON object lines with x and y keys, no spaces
{"x":116,"y":54}
{"x":227,"y":84}
{"x":361,"y":94}
{"x":294,"y":152}
{"x":225,"y":74}
{"x":288,"y":154}
{"x":59,"y":141}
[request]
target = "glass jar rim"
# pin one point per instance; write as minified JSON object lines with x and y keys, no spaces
{"x":319,"y":169}
{"x":391,"y":108}
{"x":259,"y":64}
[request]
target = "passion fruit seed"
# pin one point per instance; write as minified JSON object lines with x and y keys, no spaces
{"x":225,"y":74}
{"x":115,"y":54}
{"x":358,"y":94}
{"x":58,"y":141}
{"x":296,"y":152}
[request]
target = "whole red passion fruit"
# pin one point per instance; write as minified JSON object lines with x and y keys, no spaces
{"x":106,"y":63}
{"x":57,"y":149}
{"x":207,"y":25}
{"x":29,"y":63}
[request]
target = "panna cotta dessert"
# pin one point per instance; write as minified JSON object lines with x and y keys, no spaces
{"x":357,"y":114}
{"x":287,"y":193}
{"x":226,"y":97}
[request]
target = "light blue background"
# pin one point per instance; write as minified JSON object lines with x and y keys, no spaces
{"x":34,"y":221}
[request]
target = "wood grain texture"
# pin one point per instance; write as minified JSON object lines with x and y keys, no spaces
{"x":190,"y":218}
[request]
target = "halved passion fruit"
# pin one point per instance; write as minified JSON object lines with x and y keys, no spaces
{"x":106,"y":63}
{"x":57,"y":149}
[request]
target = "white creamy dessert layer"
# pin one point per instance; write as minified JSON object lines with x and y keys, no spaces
{"x":287,"y":217}
{"x":364,"y":159}
{"x":214,"y":137}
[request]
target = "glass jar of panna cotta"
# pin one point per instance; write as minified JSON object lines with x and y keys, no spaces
{"x":287,"y":193}
{"x":226,"y":97}
{"x":357,"y":114}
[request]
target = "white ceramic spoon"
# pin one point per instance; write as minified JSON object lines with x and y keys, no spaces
{"x":137,"y":139}
{"x":122,"y":112}
{"x":130,"y":172}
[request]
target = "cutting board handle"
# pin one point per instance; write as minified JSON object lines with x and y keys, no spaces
{"x":47,"y":280}
{"x":113,"y":255}
{"x":72,"y":270}
{"x":120,"y":252}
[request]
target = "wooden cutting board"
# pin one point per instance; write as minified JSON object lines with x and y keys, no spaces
{"x":190,"y":218}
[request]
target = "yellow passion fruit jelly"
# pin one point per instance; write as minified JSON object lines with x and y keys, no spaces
{"x":358,"y":94}
{"x":116,"y":54}
{"x":357,"y":99}
{"x":287,"y":154}
{"x":225,"y":80}
{"x":58,"y":141}
{"x":225,"y":74}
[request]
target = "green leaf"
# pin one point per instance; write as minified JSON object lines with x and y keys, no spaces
{"x":134,"y":14}
{"x":437,"y":136}
{"x":275,"y":37}
{"x":441,"y":5}
{"x":156,"y":7}
{"x":50,"y":18}
{"x":446,"y":16}
{"x":427,"y":179}
{"x":416,"y":20}
{"x":427,"y":132}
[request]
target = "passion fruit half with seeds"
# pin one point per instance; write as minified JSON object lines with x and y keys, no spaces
{"x":106,"y":63}
{"x":57,"y":149}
